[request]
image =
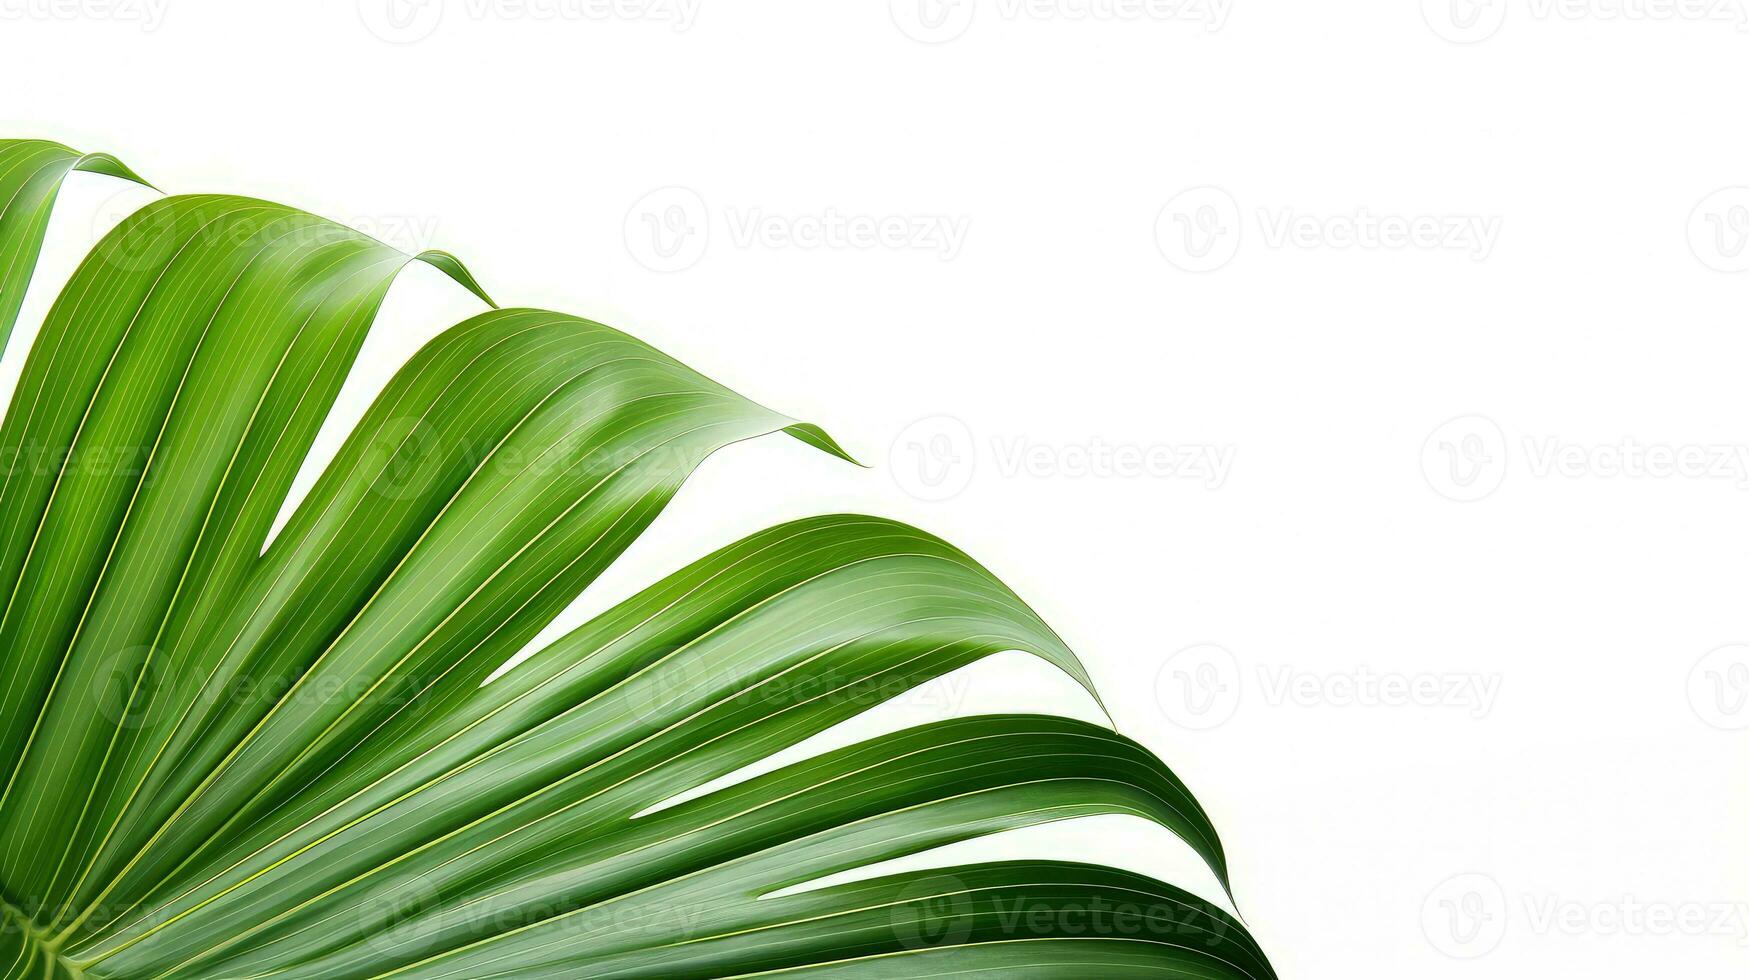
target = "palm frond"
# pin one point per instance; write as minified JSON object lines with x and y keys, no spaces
{"x":234,"y":758}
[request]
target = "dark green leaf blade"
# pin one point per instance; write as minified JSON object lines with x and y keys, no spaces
{"x":159,"y":420}
{"x":749,"y":650}
{"x":227,"y":758}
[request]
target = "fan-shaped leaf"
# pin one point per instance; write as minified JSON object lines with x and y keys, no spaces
{"x":229,"y":758}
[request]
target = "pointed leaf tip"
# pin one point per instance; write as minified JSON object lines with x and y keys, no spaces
{"x":452,"y":267}
{"x":820,"y":439}
{"x":109,"y":166}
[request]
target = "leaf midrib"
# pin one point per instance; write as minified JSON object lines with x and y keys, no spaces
{"x":38,"y":942}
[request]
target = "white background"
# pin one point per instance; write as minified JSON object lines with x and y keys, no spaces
{"x":1447,"y":687}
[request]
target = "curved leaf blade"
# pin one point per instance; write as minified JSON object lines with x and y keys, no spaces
{"x":225,"y":760}
{"x":31,"y":172}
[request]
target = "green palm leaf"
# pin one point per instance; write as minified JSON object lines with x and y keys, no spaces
{"x":234,"y":758}
{"x":31,"y":172}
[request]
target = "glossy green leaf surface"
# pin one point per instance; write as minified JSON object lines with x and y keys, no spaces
{"x":233,"y":757}
{"x":31,"y":172}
